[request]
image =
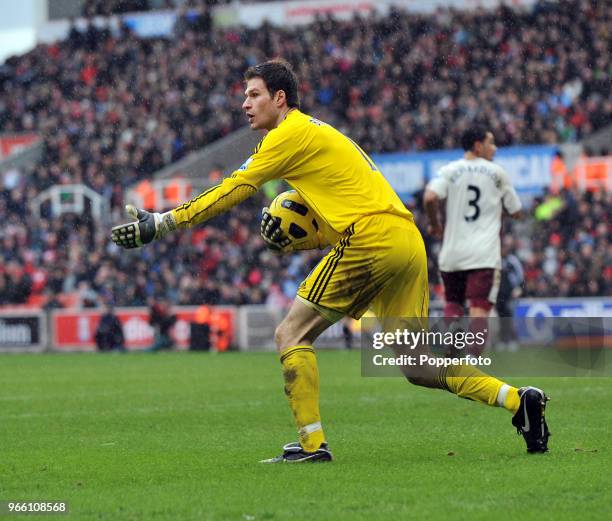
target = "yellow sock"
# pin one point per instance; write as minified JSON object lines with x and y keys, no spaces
{"x":301,"y":376}
{"x":469,"y":382}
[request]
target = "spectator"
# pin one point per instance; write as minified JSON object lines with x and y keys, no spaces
{"x":162,"y":319}
{"x":113,"y":108}
{"x":52,"y":301}
{"x":511,"y":281}
{"x":18,"y":284}
{"x":109,"y":333}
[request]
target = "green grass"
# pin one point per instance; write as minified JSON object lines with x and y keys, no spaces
{"x":178,"y":436}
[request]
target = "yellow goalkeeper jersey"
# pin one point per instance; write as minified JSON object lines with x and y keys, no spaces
{"x":332,"y":173}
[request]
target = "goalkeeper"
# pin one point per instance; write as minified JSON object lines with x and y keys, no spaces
{"x":377,"y":261}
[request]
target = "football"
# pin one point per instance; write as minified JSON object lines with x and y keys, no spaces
{"x":296,"y":220}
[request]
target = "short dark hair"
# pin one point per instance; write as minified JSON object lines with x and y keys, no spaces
{"x":277,"y":75}
{"x":472,"y":135}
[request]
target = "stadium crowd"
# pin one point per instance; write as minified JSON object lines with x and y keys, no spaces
{"x":91,"y":8}
{"x":225,"y":262}
{"x":118,"y":107}
{"x":565,"y":253}
{"x":568,"y":251}
{"x":113,"y":109}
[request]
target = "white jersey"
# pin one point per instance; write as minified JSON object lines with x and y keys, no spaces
{"x":476,"y":191}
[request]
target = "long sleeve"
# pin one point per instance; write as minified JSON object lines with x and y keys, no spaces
{"x":214,"y":201}
{"x":271,"y":160}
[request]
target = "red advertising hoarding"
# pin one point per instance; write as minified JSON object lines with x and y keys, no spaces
{"x":74,"y":330}
{"x":10,"y":145}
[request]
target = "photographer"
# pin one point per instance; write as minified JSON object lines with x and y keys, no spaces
{"x":162,"y":319}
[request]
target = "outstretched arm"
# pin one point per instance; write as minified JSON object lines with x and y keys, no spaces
{"x":271,"y":159}
{"x":153,"y":226}
{"x":214,"y":201}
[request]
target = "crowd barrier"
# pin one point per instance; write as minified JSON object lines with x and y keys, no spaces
{"x":221,"y":328}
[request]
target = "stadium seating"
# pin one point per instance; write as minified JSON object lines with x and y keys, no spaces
{"x":113,"y":110}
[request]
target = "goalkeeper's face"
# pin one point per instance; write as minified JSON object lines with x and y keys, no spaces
{"x":264,"y":110}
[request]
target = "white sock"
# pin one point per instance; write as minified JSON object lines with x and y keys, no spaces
{"x":502,"y":394}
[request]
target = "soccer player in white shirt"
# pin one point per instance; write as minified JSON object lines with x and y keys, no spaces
{"x":475,"y":192}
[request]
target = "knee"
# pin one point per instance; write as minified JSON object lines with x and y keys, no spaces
{"x":418,"y":380}
{"x":422,"y":378}
{"x":282,"y":337}
{"x":278,"y":337}
{"x":453,"y":309}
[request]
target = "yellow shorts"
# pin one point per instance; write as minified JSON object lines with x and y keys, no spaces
{"x":379,"y":263}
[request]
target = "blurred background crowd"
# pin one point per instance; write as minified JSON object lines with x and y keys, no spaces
{"x":114,"y":109}
{"x":109,"y":7}
{"x":112,"y":7}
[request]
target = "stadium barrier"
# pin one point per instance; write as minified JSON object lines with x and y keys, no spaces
{"x":149,"y":24}
{"x":219,"y":328}
{"x":563,"y":307}
{"x":160,"y":193}
{"x":23,"y":330}
{"x":593,"y":173}
{"x":256,"y":325}
{"x":529,"y":168}
{"x":20,"y":150}
{"x":71,"y":198}
{"x":74,"y":329}
{"x":13,"y":144}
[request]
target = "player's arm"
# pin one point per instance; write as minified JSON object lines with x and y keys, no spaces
{"x":216,"y":200}
{"x":515,"y":215}
{"x":510,"y":199}
{"x":152,"y":226}
{"x":431,"y":202}
{"x":435,"y":191}
{"x":268,"y":162}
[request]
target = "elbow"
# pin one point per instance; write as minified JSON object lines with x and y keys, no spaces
{"x":430,"y":198}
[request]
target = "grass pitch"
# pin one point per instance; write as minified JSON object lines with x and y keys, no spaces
{"x":178,"y":436}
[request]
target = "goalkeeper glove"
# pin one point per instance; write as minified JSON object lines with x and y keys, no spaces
{"x":149,"y":227}
{"x":276,"y":241}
